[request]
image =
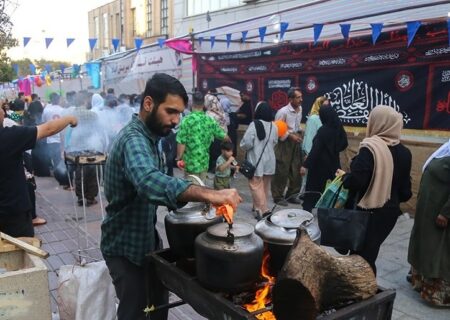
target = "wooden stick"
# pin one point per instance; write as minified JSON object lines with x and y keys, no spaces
{"x":25,"y":246}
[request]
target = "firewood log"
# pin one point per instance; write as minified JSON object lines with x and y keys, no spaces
{"x":313,"y":281}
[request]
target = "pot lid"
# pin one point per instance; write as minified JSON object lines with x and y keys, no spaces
{"x":239,"y":230}
{"x":290,"y":218}
{"x":191,"y":208}
{"x":281,"y":227}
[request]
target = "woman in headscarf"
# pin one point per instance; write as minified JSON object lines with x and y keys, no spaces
{"x":429,"y":246}
{"x":379,"y":178}
{"x":323,"y":160}
{"x":313,"y":124}
{"x":260,"y":132}
{"x":97,"y":103}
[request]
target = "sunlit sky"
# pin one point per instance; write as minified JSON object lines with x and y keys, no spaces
{"x":57,"y":19}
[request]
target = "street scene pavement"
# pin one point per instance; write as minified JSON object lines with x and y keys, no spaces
{"x":69,"y":229}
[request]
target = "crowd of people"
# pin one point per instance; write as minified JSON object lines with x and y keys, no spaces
{"x":146,"y":136}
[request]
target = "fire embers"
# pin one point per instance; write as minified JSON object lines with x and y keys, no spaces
{"x":263,"y":296}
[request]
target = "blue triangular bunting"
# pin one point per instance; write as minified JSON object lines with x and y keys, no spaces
{"x":200,"y":40}
{"x":317,"y":30}
{"x":115,"y":42}
{"x":92,"y":42}
{"x":411,"y":28}
{"x":283,"y":28}
{"x":69,"y":41}
{"x":48,"y":68}
{"x":345,"y":30}
{"x":25,"y":41}
{"x":262,"y":33}
{"x":376,"y":31}
{"x":48,"y":41}
{"x":212,"y":39}
{"x":138,"y":43}
{"x":228,"y":35}
{"x":244,"y":36}
{"x":32,"y":68}
{"x":161,"y":42}
{"x":62,"y":67}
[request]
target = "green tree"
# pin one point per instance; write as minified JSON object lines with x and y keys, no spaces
{"x":6,"y":41}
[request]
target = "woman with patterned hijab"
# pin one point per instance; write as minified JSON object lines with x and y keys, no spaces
{"x":380,"y":177}
{"x":313,"y":124}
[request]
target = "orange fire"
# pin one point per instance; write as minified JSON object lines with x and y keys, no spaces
{"x":262,"y":297}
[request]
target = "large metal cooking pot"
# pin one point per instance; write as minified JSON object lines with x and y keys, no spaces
{"x":229,"y":260}
{"x":185,"y":224}
{"x":279,"y":231}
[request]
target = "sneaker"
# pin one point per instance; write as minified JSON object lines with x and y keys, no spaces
{"x":281,"y":202}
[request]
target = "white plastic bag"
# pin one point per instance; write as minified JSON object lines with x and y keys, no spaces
{"x":86,"y":292}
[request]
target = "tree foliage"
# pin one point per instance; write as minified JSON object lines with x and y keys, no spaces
{"x":6,"y":41}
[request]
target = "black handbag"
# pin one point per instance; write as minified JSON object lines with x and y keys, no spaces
{"x":247,"y":168}
{"x":343,"y":228}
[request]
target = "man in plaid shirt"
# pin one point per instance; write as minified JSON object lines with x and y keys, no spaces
{"x":135,"y":185}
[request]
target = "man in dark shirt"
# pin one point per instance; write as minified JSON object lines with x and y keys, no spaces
{"x":245,"y":113}
{"x":135,"y":185}
{"x":33,"y":115}
{"x":15,"y":204}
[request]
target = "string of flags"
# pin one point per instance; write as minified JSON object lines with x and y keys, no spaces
{"x":411,"y":26}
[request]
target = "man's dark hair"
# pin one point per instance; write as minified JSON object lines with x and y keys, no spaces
{"x":54,"y":98}
{"x":123,"y":98}
{"x":198,"y":99}
{"x":226,"y":145}
{"x":160,"y":85}
{"x":213,"y":91}
{"x":291,"y":92}
{"x":110,"y":91}
{"x":21,"y":94}
{"x":33,"y":96}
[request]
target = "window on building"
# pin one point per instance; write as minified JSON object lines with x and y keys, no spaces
{"x":133,"y":22}
{"x":97,"y":30}
{"x":149,"y":18}
{"x":201,"y":6}
{"x":164,"y":17}
{"x":106,"y":39}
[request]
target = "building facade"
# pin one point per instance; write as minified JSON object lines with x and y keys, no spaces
{"x":126,"y":20}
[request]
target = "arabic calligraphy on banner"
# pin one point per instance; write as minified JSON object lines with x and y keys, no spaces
{"x":354,"y":100}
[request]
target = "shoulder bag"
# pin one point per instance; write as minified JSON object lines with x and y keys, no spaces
{"x":247,"y":168}
{"x":343,"y":228}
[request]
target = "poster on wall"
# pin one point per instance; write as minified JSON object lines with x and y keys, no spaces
{"x":354,"y":74}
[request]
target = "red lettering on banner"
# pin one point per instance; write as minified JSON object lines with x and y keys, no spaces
{"x":444,"y":105}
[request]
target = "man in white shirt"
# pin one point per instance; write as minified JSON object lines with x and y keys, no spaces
{"x":53,"y":111}
{"x":288,"y":152}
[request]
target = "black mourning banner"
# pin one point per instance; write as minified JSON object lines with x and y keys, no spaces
{"x":354,"y":74}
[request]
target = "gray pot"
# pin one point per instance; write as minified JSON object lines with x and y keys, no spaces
{"x":279,"y":231}
{"x":229,"y":263}
{"x":185,"y":224}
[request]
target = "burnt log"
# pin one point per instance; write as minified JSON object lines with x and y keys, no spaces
{"x":312,"y":281}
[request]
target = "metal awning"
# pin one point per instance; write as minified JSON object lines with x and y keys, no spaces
{"x":359,"y":13}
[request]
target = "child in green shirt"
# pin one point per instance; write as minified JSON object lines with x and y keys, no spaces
{"x":224,"y":163}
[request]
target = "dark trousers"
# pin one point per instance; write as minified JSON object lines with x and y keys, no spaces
{"x":17,"y":224}
{"x":289,"y":161}
{"x":232,"y":131}
{"x":54,"y":151}
{"x":214,"y":153}
{"x":380,"y":225}
{"x":89,"y":182}
{"x":31,"y":192}
{"x":40,"y":159}
{"x":136,"y":288}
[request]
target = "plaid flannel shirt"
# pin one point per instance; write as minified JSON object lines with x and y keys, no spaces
{"x":134,"y":186}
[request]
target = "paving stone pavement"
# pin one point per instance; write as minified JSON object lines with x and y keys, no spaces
{"x":63,"y":235}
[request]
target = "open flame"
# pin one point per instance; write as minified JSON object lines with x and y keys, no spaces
{"x":226,"y":211}
{"x":262,"y":296}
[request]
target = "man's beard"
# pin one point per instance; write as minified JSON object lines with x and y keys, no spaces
{"x":154,"y":125}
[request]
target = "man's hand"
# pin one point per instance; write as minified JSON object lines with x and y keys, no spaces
{"x":339,"y":172}
{"x":303,"y":171}
{"x":226,"y":196}
{"x":295,"y":138}
{"x":441,"y":221}
{"x":73,"y":121}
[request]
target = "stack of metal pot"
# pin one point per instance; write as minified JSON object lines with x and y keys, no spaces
{"x":279,"y":231}
{"x":185,"y":224}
